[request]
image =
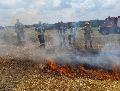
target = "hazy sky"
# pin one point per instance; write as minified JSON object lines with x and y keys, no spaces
{"x":51,"y":11}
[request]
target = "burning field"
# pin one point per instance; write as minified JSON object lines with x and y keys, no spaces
{"x":26,"y":75}
{"x":85,"y":71}
{"x":30,"y":68}
{"x":59,"y":45}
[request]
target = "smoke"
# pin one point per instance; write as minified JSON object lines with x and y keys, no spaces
{"x":9,"y":46}
{"x":110,"y":53}
{"x":62,"y":53}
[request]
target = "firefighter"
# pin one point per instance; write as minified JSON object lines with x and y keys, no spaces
{"x":87,"y":35}
{"x":19,"y":29}
{"x":41,"y":36}
{"x":72,"y":34}
{"x":69,"y":33}
{"x":65,"y":35}
{"x":61,"y":30}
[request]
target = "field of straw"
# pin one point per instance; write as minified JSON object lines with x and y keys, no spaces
{"x":24,"y":74}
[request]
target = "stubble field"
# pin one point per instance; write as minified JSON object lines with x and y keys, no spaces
{"x":22,"y":70}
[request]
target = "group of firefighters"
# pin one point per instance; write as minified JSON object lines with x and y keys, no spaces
{"x":62,"y":30}
{"x":66,"y":33}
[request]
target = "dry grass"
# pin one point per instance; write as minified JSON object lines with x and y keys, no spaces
{"x":25,"y":75}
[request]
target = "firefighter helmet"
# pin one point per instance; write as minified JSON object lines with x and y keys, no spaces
{"x":87,"y":23}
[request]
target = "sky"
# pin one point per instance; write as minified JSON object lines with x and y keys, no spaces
{"x":51,"y":11}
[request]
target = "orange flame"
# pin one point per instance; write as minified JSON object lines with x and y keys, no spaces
{"x":81,"y":71}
